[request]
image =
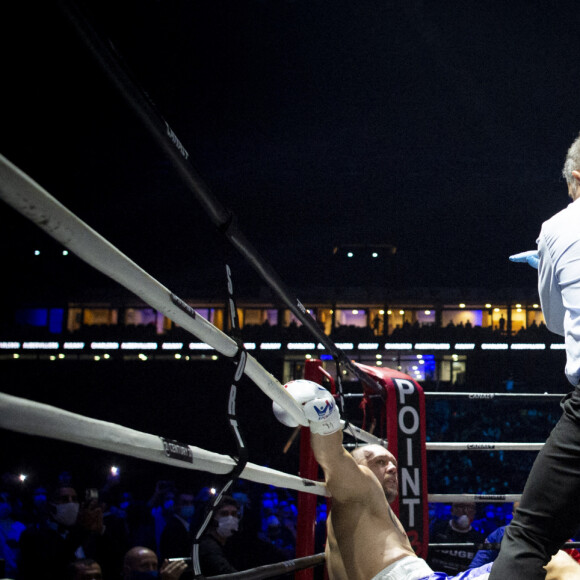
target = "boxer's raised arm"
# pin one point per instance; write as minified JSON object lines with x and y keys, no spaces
{"x":345,"y":479}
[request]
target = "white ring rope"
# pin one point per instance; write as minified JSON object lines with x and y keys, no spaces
{"x":475,"y":396}
{"x":30,"y":199}
{"x":490,"y":396}
{"x":463,"y":497}
{"x":482,"y":446}
{"x":32,"y":418}
{"x":27,"y":197}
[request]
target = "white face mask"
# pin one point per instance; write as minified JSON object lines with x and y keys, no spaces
{"x":227,"y":526}
{"x":463,"y":522}
{"x":66,"y":514}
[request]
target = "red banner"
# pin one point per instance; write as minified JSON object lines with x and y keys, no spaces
{"x":405,"y":415}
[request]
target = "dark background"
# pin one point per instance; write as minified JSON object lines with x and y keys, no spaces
{"x":439,"y":128}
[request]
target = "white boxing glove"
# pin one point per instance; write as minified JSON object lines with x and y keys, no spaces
{"x":318,"y":404}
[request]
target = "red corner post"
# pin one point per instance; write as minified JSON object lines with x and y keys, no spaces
{"x":405,"y":410}
{"x":308,"y":469}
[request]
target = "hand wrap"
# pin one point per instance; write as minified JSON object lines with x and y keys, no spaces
{"x":317,"y":403}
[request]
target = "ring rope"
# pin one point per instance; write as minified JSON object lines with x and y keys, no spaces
{"x":483,"y":498}
{"x":31,"y":200}
{"x":271,"y":570}
{"x":490,"y":396}
{"x":478,"y":396}
{"x":466,"y":446}
{"x":138,"y":100}
{"x":32,"y":418}
{"x":242,"y":458}
{"x":482,"y":446}
{"x":486,"y":545}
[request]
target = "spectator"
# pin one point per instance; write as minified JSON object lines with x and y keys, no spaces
{"x":84,"y":569}
{"x":117,"y":534}
{"x":457,"y":530}
{"x":212,"y":554}
{"x":10,"y":531}
{"x":484,"y":556}
{"x":176,"y":538}
{"x":162,"y":505}
{"x":40,"y":507}
{"x":69,"y":532}
{"x":279,"y":536}
{"x":141,"y":563}
{"x":139,"y":520}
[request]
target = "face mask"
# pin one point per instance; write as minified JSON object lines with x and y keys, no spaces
{"x":66,"y":514}
{"x":168,"y":505}
{"x":187,"y":511}
{"x":227,"y":526}
{"x":5,"y":510}
{"x":144,"y":575}
{"x":463,"y":522}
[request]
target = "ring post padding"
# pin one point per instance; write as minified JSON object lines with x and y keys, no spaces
{"x":405,"y":409}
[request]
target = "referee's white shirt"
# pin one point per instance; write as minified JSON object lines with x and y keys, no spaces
{"x":559,"y":281}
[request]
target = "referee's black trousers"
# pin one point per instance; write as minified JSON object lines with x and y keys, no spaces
{"x":549,"y":511}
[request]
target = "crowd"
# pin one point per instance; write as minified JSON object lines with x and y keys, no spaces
{"x":495,"y":471}
{"x":266,"y":332}
{"x":110,"y":533}
{"x":62,"y":532}
{"x":473,"y":525}
{"x":57,"y":526}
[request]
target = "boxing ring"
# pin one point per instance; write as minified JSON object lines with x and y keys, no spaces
{"x":32,"y":418}
{"x":404,"y":421}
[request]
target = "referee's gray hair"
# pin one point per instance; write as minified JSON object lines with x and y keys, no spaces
{"x":572,"y":162}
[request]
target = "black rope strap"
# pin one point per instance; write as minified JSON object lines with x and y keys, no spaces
{"x":340,"y":393}
{"x":484,"y":546}
{"x":239,"y":359}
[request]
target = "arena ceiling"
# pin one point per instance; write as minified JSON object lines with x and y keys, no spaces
{"x":437,"y":128}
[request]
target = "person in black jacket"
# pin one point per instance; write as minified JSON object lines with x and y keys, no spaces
{"x":456,"y":530}
{"x":70,"y":531}
{"x":213,"y":559}
{"x":177,"y":536}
